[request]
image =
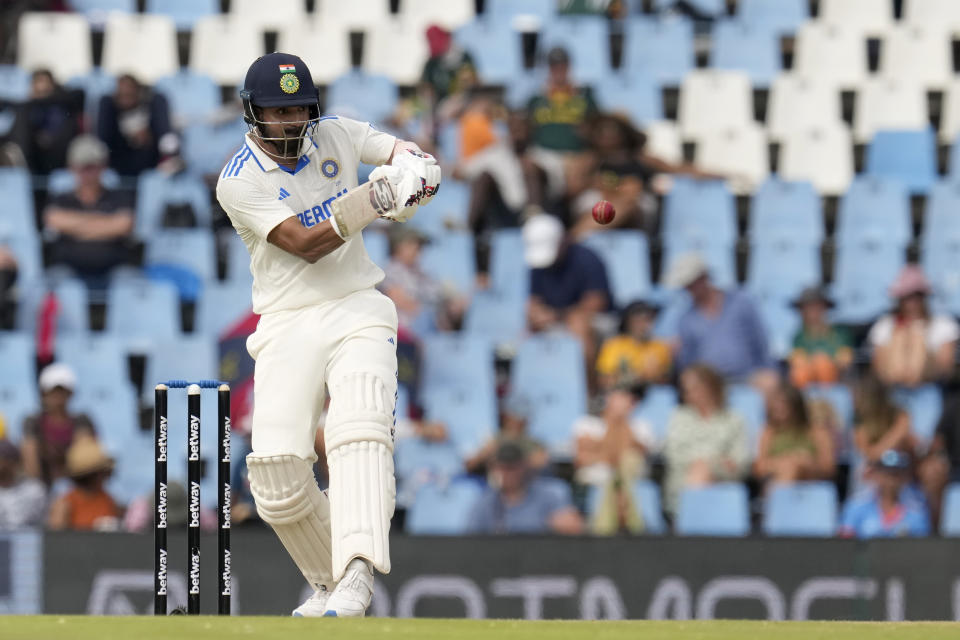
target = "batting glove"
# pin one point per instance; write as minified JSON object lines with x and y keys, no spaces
{"x":424,"y":166}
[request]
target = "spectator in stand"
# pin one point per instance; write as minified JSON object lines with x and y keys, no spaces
{"x":45,"y":124}
{"x":723,"y":329}
{"x":611,"y":454}
{"x":449,"y":71}
{"x":880,"y":424}
{"x":513,"y":429}
{"x":706,"y":442}
{"x":890,"y":509}
{"x":87,"y":506}
{"x":92,"y":227}
{"x":634,"y":354}
{"x":23,"y":500}
{"x":822,"y":353}
{"x":48,"y":435}
{"x":131,"y":123}
{"x":793,"y":447}
{"x":8,"y":278}
{"x":519,"y":501}
{"x":911,"y":345}
{"x":941,"y":465}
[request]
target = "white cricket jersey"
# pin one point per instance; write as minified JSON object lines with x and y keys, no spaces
{"x":258,"y":194}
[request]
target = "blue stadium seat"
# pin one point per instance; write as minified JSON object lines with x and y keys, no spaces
{"x":497,"y":317}
{"x":26,"y":250}
{"x":418,"y":462}
{"x":143,"y":311}
{"x":73,"y":314}
{"x":862,"y":276}
{"x":807,"y":509}
{"x":780,"y":269}
{"x":950,"y":515}
{"x":502,"y":12}
{"x":744,"y":47}
{"x":184,"y":358}
{"x":924,"y":404}
{"x":370,"y":96}
{"x":701,"y":210}
{"x":156,"y":190}
{"x":516,"y":95}
{"x":96,"y":10}
{"x":509,"y":274}
{"x":63,"y":180}
{"x":206,"y":148}
{"x":495,"y":49}
{"x":657,"y":406}
{"x":907,"y":156}
{"x":720,"y":258}
{"x":470,"y":414}
{"x":940,"y":219}
{"x":184,"y":12}
{"x":625,"y":254}
{"x":132,"y":478}
{"x":877,"y":209}
{"x":784,"y":210}
{"x":443,"y":509}
{"x":586,"y":39}
{"x":94,"y":358}
{"x":14,"y":83}
{"x":192,"y":96}
{"x":782,"y":17}
{"x":749,"y":403}
{"x":18,"y":355}
{"x":18,"y":208}
{"x":457,"y":360}
{"x":222,"y":305}
{"x":635,"y":94}
{"x":111,"y":405}
{"x":782,"y":322}
{"x":237,"y":257}
{"x":717,"y":510}
{"x":548,"y":371}
{"x":661,"y":48}
{"x":185,"y":257}
{"x":940,"y":258}
{"x":646,"y":495}
{"x":17,"y":402}
{"x":448,"y":209}
{"x":450,"y":258}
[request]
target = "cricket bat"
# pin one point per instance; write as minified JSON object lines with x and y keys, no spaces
{"x":362,"y":205}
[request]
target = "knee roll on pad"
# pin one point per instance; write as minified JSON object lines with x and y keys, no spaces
{"x":289,"y":500}
{"x":359,"y":442}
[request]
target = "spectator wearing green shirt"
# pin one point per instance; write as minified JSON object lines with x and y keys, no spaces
{"x":822,"y":353}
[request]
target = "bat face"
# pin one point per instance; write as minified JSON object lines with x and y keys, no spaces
{"x":362,"y":205}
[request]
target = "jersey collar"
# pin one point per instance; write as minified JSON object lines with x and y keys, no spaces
{"x":266,"y":163}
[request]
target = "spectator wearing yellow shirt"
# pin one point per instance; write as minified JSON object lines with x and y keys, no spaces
{"x":633,"y":354}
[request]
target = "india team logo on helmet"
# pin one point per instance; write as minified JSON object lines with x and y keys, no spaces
{"x":290,"y":83}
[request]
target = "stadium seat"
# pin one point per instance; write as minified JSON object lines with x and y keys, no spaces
{"x":470,"y":414}
{"x":238,"y":258}
{"x":505,"y":12}
{"x":876,"y":209}
{"x":780,"y":269}
{"x":509,"y":274}
{"x":517,"y":94}
{"x":185,"y":13}
{"x":498,"y":317}
{"x":14,"y":83}
{"x":712,"y":100}
{"x":799,"y":103}
{"x":656,"y":407}
{"x":941,"y":14}
{"x":157,"y":190}
{"x":18,"y":354}
{"x":719,"y":257}
{"x":496,"y":52}
{"x":804,"y":509}
{"x":96,"y":11}
{"x":222,"y":305}
{"x":377,"y":245}
{"x":325,"y":48}
{"x":586,"y":39}
{"x":663,"y":141}
{"x":72,"y":306}
{"x":93,"y":357}
{"x":782,"y":323}
{"x":749,"y":403}
{"x":131,"y":479}
{"x":950,"y":515}
{"x":907,"y":156}
{"x":443,"y":509}
{"x":632,"y":94}
{"x":180,"y":358}
{"x":717,"y":510}
{"x":740,"y":46}
{"x":222,"y":47}
{"x":782,"y":17}
{"x":371,"y":96}
{"x":356,"y":15}
{"x":451,"y":259}
{"x":863,"y":273}
{"x":456,"y":360}
{"x":26,"y":250}
{"x":919,"y":54}
{"x":418,"y":461}
{"x":112,"y":406}
{"x":384,"y":39}
{"x":450,"y":14}
{"x":835,"y":54}
{"x":60,"y":42}
{"x":18,"y":207}
{"x":786,"y":211}
{"x":63,"y":180}
{"x":191,"y":96}
{"x":646,"y":496}
{"x":95,"y":85}
{"x":865,"y":17}
{"x":207,"y":147}
{"x":144,"y":46}
{"x":885,"y":103}
{"x":447,"y":209}
{"x":940,"y":243}
{"x":190,"y":249}
{"x":741,"y":153}
{"x":924,"y":404}
{"x":950,"y":117}
{"x":275,"y":15}
{"x":626,"y":256}
{"x":548,"y":371}
{"x":17,"y":402}
{"x":822,"y":156}
{"x":700,"y":209}
{"x":662,"y":49}
{"x":143,"y":311}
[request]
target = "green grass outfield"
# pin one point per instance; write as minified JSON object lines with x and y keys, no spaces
{"x":213,"y":628}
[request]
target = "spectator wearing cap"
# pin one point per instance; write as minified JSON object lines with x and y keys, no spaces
{"x":131,"y":122}
{"x":889,"y":509}
{"x":91,"y":227}
{"x":48,"y":435}
{"x":722,"y":329}
{"x":87,"y":506}
{"x":23,"y":500}
{"x":911,"y":345}
{"x":521,"y":502}
{"x":611,"y":451}
{"x":514,"y":417}
{"x":634,"y":355}
{"x":822,"y":352}
{"x":568,"y":282}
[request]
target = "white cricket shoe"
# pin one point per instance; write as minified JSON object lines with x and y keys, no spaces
{"x":314,"y":606}
{"x":352,"y":595}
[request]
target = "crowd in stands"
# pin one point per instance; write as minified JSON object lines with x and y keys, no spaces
{"x":547,"y":385}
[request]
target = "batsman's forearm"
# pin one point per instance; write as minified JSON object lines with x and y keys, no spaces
{"x":320,"y":241}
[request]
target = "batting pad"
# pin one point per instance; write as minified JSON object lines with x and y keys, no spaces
{"x":359,"y":442}
{"x":289,"y":499}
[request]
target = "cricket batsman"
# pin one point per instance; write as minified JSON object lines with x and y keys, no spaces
{"x":322,"y":324}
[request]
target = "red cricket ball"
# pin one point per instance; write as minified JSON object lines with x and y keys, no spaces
{"x":603,"y":212}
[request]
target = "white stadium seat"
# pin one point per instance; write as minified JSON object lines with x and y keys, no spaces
{"x":798,"y":103}
{"x":325,"y":49}
{"x":663,"y":141}
{"x":943,"y":14}
{"x":742,"y":154}
{"x":449,"y":14}
{"x":381,"y":46}
{"x":887,"y":103}
{"x":144,"y":46}
{"x":919,"y":53}
{"x":275,"y":15}
{"x":224,"y":46}
{"x":950,"y":114}
{"x":358,"y":15}
{"x":835,"y":54}
{"x":821,"y":156}
{"x":59,"y":42}
{"x":867,"y":17}
{"x":712,"y":100}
